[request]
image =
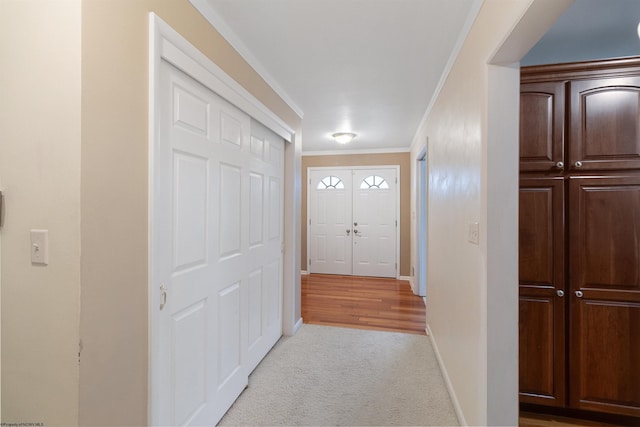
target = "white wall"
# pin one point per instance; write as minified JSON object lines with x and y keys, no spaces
{"x":472,"y":156}
{"x":40,"y":173}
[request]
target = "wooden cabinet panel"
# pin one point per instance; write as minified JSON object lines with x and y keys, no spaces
{"x":541,"y":126}
{"x":605,"y":345}
{"x":541,"y":232}
{"x":542,"y":304}
{"x":605,"y":124}
{"x":605,"y":233}
{"x":604,"y":266}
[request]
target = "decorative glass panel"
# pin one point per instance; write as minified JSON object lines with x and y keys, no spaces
{"x":374,"y":182}
{"x":330,"y":182}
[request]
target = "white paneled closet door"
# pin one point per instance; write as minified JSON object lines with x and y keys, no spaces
{"x":266,"y":192}
{"x":216,"y":242}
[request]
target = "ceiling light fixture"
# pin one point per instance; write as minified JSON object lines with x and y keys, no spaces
{"x":344,"y":137}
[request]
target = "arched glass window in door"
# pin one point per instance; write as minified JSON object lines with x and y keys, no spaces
{"x":329,"y":183}
{"x":374,"y":182}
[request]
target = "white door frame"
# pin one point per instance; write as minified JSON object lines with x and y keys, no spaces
{"x":165,"y":44}
{"x":328,"y":168}
{"x":421,"y":223}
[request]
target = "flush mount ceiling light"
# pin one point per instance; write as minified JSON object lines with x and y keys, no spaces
{"x":343,"y":137}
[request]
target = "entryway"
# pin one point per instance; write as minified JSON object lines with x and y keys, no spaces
{"x":353,"y":221}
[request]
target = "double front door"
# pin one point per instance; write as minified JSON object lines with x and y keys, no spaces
{"x":353,"y":221}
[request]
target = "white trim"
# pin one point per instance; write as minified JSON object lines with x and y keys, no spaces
{"x":462,"y":36}
{"x":217,"y":22}
{"x":177,"y":50}
{"x":296,"y":327}
{"x":398,"y":191}
{"x":304,"y":273}
{"x":165,"y":44}
{"x":412,"y":283}
{"x":360,"y":151}
{"x":452,"y":394}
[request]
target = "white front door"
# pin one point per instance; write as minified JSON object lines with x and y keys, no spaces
{"x":330,"y":221}
{"x":216,"y":238}
{"x":374,"y":222}
{"x":353,"y":221}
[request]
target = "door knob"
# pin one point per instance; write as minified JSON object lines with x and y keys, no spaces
{"x":560,"y":165}
{"x":560,"y":292}
{"x":579,"y":294}
{"x":578,"y":164}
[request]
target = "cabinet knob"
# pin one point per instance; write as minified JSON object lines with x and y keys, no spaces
{"x":348,"y":232}
{"x":560,"y":165}
{"x":579,"y":294}
{"x":560,"y":292}
{"x":578,"y":164}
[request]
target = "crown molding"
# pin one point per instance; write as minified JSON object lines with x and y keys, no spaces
{"x":232,"y":38}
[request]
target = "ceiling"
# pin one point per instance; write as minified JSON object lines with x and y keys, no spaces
{"x":373,"y":66}
{"x":366,"y":66}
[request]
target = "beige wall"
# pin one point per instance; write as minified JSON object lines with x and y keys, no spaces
{"x":40,"y":175}
{"x":113,"y":328}
{"x":401,"y":159}
{"x":473,"y":173}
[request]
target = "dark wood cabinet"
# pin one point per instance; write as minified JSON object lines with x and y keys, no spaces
{"x":542,"y":291}
{"x":579,"y":236}
{"x":542,"y":126}
{"x":604,"y":231}
{"x":604,"y":124}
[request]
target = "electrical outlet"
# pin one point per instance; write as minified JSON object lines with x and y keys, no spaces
{"x":474,"y":233}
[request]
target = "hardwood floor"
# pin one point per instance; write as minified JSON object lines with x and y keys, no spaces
{"x":528,"y":419}
{"x":362,"y":302}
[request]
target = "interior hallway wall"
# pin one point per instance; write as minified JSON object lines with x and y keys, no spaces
{"x":342,"y":160}
{"x":473,"y":174}
{"x":113,"y":324}
{"x":40,"y":174}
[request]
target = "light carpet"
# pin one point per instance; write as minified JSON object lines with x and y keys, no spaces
{"x":334,"y":376}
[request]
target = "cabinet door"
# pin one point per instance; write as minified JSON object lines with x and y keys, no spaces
{"x":604,"y":250}
{"x":541,"y":126}
{"x":605,"y":124}
{"x":542,"y":301}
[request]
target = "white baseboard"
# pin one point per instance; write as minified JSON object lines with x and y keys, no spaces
{"x":407,"y":278}
{"x":297,"y":326}
{"x":447,"y":380}
{"x":304,"y":273}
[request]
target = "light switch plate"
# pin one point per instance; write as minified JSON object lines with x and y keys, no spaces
{"x":474,"y":233}
{"x":40,"y":247}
